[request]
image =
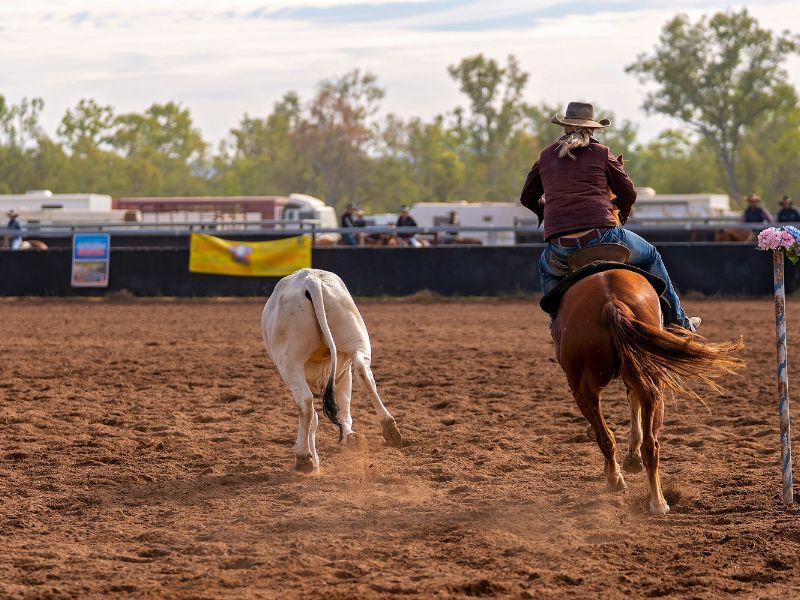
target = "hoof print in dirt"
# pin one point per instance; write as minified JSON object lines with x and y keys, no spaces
{"x":391,"y":433}
{"x":355,"y":441}
{"x":303,"y":464}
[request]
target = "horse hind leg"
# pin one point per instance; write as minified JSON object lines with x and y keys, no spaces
{"x":632,"y":463}
{"x":589,"y":404}
{"x":652,"y":418}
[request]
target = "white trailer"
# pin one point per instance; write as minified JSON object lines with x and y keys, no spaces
{"x":474,"y":214}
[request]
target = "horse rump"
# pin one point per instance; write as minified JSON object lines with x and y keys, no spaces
{"x":663,"y":359}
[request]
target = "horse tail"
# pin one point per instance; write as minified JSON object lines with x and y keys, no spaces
{"x":663,"y":359}
{"x":329,"y":407}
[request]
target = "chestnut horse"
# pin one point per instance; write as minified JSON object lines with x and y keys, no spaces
{"x":608,"y":326}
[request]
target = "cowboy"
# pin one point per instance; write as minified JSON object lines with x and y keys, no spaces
{"x":755,"y":213}
{"x":406,"y":220}
{"x":788,"y":213}
{"x":575,"y":174}
{"x":349,"y":220}
{"x":14,"y":241}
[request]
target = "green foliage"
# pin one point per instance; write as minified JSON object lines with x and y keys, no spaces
{"x":674,"y":164}
{"x":722,"y":76}
{"x":493,"y":120}
{"x":719,"y":76}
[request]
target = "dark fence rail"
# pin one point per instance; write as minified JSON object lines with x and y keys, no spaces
{"x":724,"y":269}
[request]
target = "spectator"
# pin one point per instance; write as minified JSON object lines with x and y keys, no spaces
{"x":451,"y":236}
{"x":360,"y":222}
{"x":754,"y":213}
{"x":406,"y":220}
{"x":14,"y":241}
{"x":349,"y":220}
{"x":787,"y":213}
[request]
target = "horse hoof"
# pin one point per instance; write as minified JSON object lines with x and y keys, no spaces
{"x":304,"y":464}
{"x":391,"y":433}
{"x":590,"y":434}
{"x":659,"y":508}
{"x":618,"y":485}
{"x":632,"y":463}
{"x":355,"y":441}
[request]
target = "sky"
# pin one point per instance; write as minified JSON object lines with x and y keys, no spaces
{"x":222,"y":59}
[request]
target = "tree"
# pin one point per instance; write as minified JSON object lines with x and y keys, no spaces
{"x":436,"y":169}
{"x":719,"y":76}
{"x":770,"y":156}
{"x":165,"y":152}
{"x":87,"y":127}
{"x":263,"y":157}
{"x":337,"y":132}
{"x":675,"y":164}
{"x":20,"y":139}
{"x":496,"y":113}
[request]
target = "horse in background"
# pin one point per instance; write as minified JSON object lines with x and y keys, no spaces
{"x":25,"y":245}
{"x":734,"y":235}
{"x":609,"y":326}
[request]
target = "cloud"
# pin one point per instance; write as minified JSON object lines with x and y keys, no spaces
{"x":221,"y":62}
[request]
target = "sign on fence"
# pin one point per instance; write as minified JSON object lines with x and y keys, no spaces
{"x":275,"y":258}
{"x":90,"y":259}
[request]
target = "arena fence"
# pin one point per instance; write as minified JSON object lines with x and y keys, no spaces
{"x":708,"y":268}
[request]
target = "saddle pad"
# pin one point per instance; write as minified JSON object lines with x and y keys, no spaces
{"x":550,"y":302}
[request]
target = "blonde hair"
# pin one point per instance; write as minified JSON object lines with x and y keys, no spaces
{"x":577,"y":137}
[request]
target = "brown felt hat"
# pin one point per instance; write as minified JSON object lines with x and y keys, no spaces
{"x":12,"y":213}
{"x":579,"y":114}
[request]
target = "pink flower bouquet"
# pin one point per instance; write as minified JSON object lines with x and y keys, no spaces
{"x":786,"y":238}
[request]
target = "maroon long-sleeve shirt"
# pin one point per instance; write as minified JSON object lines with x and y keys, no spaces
{"x":576,"y":191}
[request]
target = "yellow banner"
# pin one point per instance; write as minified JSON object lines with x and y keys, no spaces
{"x":276,"y":258}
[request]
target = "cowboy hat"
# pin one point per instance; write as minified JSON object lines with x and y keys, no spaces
{"x":579,"y":114}
{"x":12,"y":213}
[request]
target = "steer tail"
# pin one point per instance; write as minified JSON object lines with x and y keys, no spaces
{"x":662,"y":360}
{"x":314,"y":293}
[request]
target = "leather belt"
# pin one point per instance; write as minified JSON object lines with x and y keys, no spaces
{"x":571,"y":242}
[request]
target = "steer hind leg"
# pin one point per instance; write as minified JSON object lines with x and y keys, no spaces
{"x":305,"y":453}
{"x":343,"y":393}
{"x":366,"y":381}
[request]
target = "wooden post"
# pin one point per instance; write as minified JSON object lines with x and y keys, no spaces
{"x":783,"y":377}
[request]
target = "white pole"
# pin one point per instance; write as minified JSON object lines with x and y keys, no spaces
{"x":783,"y":377}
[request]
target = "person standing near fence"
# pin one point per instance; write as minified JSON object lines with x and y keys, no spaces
{"x":349,"y":220}
{"x":406,"y":220}
{"x":788,"y":213}
{"x":755,"y":213}
{"x":14,"y":241}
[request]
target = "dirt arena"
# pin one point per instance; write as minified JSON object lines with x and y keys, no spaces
{"x":147,"y":449}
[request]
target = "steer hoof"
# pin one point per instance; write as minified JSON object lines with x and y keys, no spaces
{"x":391,"y":433}
{"x":304,"y":464}
{"x":355,"y":441}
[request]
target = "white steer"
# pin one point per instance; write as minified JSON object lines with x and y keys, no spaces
{"x":316,"y":337}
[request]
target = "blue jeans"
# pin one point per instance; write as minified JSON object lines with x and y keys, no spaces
{"x":553,"y":266}
{"x":349,"y":239}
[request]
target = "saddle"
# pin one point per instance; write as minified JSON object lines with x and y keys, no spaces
{"x":597,"y":259}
